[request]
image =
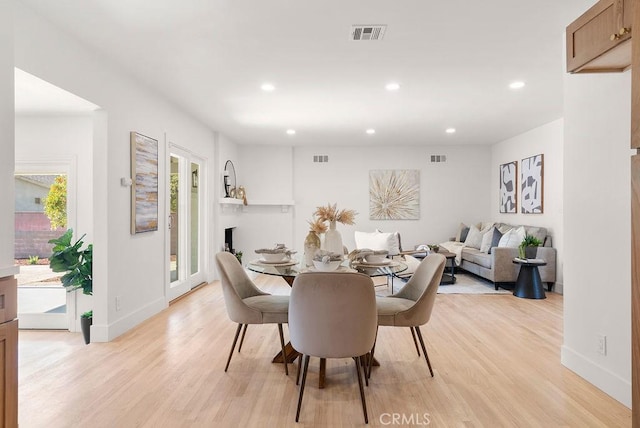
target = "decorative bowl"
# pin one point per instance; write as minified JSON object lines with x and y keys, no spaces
{"x":274,"y":257}
{"x":326,"y":267}
{"x":375,"y":258}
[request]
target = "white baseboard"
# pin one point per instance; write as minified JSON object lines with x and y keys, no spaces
{"x":609,"y":382}
{"x":106,"y":333}
{"x":558,"y":288}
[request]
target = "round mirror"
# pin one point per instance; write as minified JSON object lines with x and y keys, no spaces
{"x":229,"y":180}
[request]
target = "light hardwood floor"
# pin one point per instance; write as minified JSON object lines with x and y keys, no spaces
{"x":496,"y":360}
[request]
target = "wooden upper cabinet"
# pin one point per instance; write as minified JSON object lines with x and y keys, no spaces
{"x":600,"y":39}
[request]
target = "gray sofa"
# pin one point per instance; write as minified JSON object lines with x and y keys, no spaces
{"x":498,"y":266}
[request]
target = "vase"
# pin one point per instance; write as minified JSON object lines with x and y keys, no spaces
{"x":333,"y":240}
{"x":311,"y":245}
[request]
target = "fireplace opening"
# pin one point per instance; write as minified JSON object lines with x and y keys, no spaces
{"x":228,"y":240}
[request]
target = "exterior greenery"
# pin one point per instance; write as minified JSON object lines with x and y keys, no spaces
{"x":55,"y":204}
{"x":173,"y":192}
{"x":75,"y":261}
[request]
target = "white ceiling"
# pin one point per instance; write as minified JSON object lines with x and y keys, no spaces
{"x":453,"y":59}
{"x":36,"y":96}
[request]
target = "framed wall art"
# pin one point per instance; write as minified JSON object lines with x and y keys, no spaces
{"x":532,"y":184}
{"x":509,"y":187}
{"x":144,"y":188}
{"x":394,"y":194}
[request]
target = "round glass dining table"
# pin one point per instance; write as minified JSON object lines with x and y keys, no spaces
{"x":289,"y":270}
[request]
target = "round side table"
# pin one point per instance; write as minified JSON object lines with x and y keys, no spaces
{"x":529,"y":284}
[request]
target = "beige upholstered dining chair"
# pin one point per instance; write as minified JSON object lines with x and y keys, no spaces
{"x":332,"y":315}
{"x":412,"y":305}
{"x":246,"y":304}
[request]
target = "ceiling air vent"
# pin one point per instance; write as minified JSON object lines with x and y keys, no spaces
{"x":321,"y":158}
{"x":367,"y":32}
{"x":438,"y":158}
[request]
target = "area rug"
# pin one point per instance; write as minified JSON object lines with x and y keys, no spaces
{"x":470,"y":284}
{"x":466,"y":283}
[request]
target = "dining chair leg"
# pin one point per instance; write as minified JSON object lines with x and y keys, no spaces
{"x":424,"y":350}
{"x":299,"y":366}
{"x":235,"y":339}
{"x":415,"y":342}
{"x":304,"y":380}
{"x":284,"y":354}
{"x":364,"y":402}
{"x":244,"y":331}
{"x":364,"y":363}
{"x":370,"y":365}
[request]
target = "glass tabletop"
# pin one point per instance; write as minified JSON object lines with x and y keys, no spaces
{"x":295,"y":267}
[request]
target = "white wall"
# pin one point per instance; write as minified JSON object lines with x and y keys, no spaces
{"x":267,"y":175}
{"x":549,"y":140}
{"x":6,"y":139}
{"x":125,"y":266}
{"x":451,"y":192}
{"x":597,"y":265}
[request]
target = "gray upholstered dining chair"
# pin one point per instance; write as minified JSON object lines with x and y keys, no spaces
{"x":332,"y":315}
{"x":246,"y":304}
{"x":412,"y":305}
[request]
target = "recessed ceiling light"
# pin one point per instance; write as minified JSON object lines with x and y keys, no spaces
{"x":371,"y":131}
{"x":516,"y":85}
{"x":291,"y":131}
{"x":392,"y":86}
{"x":450,"y":130}
{"x":267,"y":87}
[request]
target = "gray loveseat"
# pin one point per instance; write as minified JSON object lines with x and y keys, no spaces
{"x":498,"y":266}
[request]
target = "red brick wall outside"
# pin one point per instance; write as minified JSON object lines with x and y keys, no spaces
{"x":33,"y":232}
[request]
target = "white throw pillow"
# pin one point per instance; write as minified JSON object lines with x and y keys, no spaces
{"x":378,"y":241}
{"x":487,"y":238}
{"x":513,"y":238}
{"x":486,"y":225}
{"x":474,"y":238}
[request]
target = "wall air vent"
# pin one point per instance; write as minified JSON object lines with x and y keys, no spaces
{"x":438,"y":158}
{"x":367,"y":32}
{"x":321,"y":158}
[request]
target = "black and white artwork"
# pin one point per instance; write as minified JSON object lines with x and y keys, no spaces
{"x":509,"y":188}
{"x":532,"y":185}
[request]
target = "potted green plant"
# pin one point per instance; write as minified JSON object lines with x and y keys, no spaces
{"x":529,"y":247}
{"x":78,"y":264}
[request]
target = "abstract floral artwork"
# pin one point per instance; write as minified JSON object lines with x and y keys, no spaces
{"x":508,"y":187}
{"x":394,"y":194}
{"x":144,"y":189}
{"x":532,"y":185}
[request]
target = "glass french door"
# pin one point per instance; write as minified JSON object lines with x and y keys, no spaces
{"x":185,"y":207}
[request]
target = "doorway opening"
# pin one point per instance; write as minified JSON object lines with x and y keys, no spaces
{"x":40,"y":215}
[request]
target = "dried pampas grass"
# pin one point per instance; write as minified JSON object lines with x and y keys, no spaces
{"x":317,"y":226}
{"x":331,"y":213}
